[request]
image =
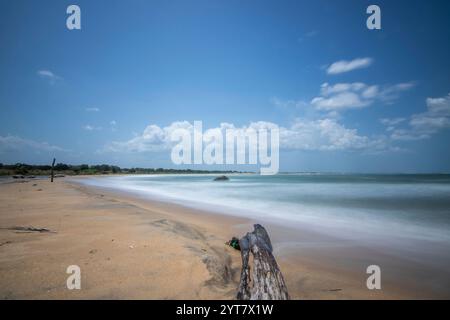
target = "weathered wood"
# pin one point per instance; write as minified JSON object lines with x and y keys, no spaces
{"x":53,"y":164}
{"x":266,"y":281}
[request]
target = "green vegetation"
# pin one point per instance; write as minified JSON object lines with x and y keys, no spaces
{"x":84,"y":169}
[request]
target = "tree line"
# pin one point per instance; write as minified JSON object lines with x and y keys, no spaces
{"x":85,"y":169}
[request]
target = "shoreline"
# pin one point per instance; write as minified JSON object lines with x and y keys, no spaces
{"x":134,"y":248}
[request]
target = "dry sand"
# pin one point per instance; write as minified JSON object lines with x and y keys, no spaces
{"x":128,"y":248}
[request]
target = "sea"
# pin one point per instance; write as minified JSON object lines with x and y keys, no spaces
{"x":364,"y":207}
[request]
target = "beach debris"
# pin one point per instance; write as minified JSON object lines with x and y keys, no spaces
{"x":131,"y":247}
{"x":6,"y":242}
{"x":93,"y":251}
{"x":38,"y":189}
{"x":34,"y":184}
{"x":221,"y":178}
{"x":28,"y":229}
{"x":266,"y":281}
{"x":234,"y":243}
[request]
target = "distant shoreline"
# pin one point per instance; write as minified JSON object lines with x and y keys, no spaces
{"x":103,"y":169}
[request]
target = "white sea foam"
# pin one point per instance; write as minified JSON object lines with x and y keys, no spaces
{"x":363,"y":207}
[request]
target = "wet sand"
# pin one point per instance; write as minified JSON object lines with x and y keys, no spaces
{"x":133,"y":248}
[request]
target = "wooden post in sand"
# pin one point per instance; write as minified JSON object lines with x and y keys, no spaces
{"x":267,"y":282}
{"x":53,"y":164}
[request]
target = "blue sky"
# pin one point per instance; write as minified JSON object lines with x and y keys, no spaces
{"x":345,"y":98}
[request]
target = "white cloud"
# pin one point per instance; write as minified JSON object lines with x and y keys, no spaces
{"x":154,"y":138}
{"x":312,"y":33}
{"x":406,"y":135}
{"x":288,"y":104}
{"x":49,"y":75}
{"x":435,"y":118}
{"x":14,"y":143}
{"x":46,"y":73}
{"x":439,"y":106}
{"x":344,"y":96}
{"x":355,"y":95}
{"x":344,"y":100}
{"x":89,"y":127}
{"x":390,"y":93}
{"x":425,"y":124}
{"x":324,"y":134}
{"x":346,"y":66}
{"x":309,"y":34}
{"x":113,"y":125}
{"x":92,"y":109}
{"x":392,"y":121}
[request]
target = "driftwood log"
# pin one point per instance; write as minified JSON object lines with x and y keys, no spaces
{"x":266,"y":281}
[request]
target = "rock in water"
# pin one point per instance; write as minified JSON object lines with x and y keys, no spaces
{"x":221,"y":178}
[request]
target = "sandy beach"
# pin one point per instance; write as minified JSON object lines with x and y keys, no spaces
{"x":133,"y":248}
